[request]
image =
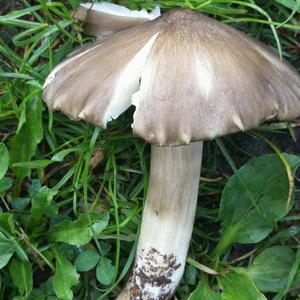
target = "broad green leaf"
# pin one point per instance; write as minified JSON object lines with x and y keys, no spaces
{"x":7,"y":222}
{"x":42,"y":204}
{"x":24,"y":143}
{"x":65,"y":277}
{"x":22,"y":255}
{"x":5,"y":184}
{"x":291,"y":278}
{"x":45,"y":290}
{"x":22,"y":119}
{"x":19,"y":203}
{"x":266,"y":181}
{"x":292,"y":4}
{"x":99,"y":226}
{"x":72,"y":232}
{"x":236,"y":284}
{"x":21,"y":274}
{"x":296,"y":281}
{"x":86,"y":261}
{"x":4,"y":160}
{"x":204,"y":292}
{"x":11,"y":245}
{"x":34,"y":187}
{"x":270,"y":269}
{"x":35,"y":164}
{"x":190,"y":275}
{"x":4,"y":259}
{"x":7,"y":246}
{"x":105,"y":271}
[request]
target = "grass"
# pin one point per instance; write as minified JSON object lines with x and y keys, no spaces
{"x":71,"y":195}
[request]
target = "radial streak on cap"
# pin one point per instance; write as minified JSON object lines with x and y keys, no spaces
{"x":87,"y":84}
{"x":51,"y":76}
{"x":128,"y":83}
{"x":239,"y":85}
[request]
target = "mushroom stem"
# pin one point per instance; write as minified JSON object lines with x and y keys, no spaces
{"x":167,"y":222}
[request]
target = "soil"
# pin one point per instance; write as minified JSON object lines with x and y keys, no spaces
{"x":7,"y":6}
{"x":282,"y":140}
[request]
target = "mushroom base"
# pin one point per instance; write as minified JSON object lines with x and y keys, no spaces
{"x":167,"y":222}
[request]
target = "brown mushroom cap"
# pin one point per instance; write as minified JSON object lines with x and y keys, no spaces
{"x":199,"y":79}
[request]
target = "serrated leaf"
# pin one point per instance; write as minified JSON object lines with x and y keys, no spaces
{"x":65,"y":277}
{"x":266,"y":180}
{"x":21,"y":274}
{"x":270,"y":269}
{"x":105,"y":271}
{"x":4,"y":160}
{"x":237,"y":285}
{"x":204,"y":292}
{"x":42,"y":205}
{"x":86,"y":261}
{"x":72,"y":232}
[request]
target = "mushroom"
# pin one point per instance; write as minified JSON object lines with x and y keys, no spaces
{"x":102,"y":19}
{"x":191,"y":79}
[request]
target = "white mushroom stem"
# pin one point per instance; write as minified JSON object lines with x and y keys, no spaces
{"x":167,"y":222}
